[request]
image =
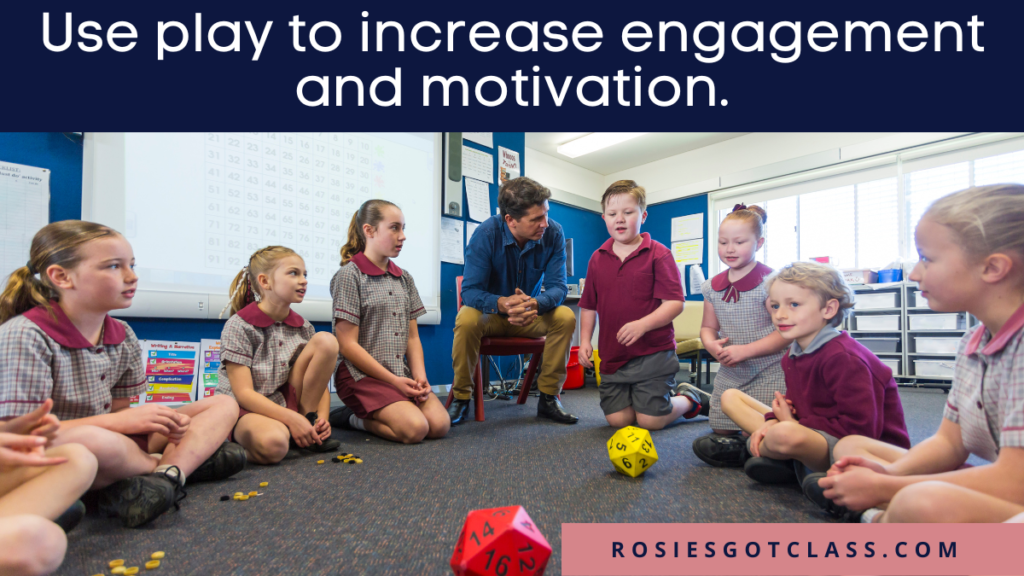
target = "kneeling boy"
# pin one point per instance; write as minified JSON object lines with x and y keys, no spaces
{"x":633,"y":284}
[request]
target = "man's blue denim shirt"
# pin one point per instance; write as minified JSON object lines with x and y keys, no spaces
{"x":495,"y":267}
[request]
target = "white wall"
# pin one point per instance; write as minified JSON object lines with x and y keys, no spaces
{"x":561,"y":175}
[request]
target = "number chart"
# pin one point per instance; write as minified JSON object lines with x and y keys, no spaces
{"x":291,"y":189}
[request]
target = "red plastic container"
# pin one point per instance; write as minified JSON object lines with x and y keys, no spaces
{"x":574,"y":372}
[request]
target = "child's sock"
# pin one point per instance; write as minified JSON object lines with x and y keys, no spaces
{"x":171,"y":471}
{"x":356,"y":423}
{"x":868,"y":516}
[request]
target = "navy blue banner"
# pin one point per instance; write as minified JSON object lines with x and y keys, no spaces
{"x":511,"y":66}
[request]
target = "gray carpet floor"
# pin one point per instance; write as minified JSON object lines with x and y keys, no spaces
{"x":400,"y":512}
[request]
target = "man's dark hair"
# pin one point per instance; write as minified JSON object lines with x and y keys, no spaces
{"x":518,"y":195}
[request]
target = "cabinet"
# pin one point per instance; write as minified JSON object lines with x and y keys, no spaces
{"x":895,"y":323}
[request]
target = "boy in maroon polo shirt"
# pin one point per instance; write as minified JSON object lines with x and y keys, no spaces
{"x":835,"y":386}
{"x":633,"y":285}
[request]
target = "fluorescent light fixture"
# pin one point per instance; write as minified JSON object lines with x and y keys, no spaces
{"x":595,"y":141}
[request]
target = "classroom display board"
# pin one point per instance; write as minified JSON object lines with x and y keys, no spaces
{"x":195,"y":206}
{"x":172,"y":370}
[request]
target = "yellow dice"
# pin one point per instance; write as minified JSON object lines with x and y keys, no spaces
{"x":631,"y":451}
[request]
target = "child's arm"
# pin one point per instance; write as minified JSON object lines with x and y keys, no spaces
{"x":348,"y":342}
{"x":414,"y":352}
{"x":633,"y":331}
{"x":867,"y":485}
{"x":588,"y":318}
{"x":709,"y":329}
{"x":770,"y":344}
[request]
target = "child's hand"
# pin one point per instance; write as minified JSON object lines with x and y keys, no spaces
{"x":856,"y":488}
{"x":630,"y":333}
{"x":322,"y":429}
{"x":780,"y":406}
{"x":302,"y":431}
{"x":584,"y":354}
{"x":38,"y":422}
{"x":733,"y":355}
{"x":408,"y":386}
{"x":758,"y":435}
{"x":424,"y":388}
{"x":150,"y":418}
{"x":22,"y":450}
{"x":844,"y":463}
{"x":716,"y":347}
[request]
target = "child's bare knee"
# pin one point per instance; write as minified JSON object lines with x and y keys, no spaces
{"x":270,"y":448}
{"x":920,"y":502}
{"x":785,"y":437}
{"x":324,"y":343}
{"x":620,"y":419}
{"x":649,"y":422}
{"x":81,"y":465}
{"x":36,"y":547}
{"x":848,"y":446}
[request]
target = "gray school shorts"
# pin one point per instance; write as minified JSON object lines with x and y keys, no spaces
{"x":646,"y":383}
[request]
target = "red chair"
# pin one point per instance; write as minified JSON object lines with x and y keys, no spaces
{"x":499,"y":346}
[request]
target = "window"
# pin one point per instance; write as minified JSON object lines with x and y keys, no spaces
{"x":857,"y":218}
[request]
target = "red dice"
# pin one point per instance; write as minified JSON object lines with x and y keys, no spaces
{"x":500,"y":542}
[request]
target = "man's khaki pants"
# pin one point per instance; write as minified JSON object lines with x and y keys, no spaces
{"x":471,"y":325}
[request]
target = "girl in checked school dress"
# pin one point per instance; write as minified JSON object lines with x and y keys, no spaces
{"x":737,"y":330}
{"x":381,"y":377}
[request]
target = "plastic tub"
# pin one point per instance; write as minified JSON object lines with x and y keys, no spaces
{"x":936,"y":322}
{"x":940,"y":368}
{"x":877,"y":322}
{"x":875,"y":300}
{"x":892,"y":275}
{"x":930,"y":345}
{"x":880,"y":345}
{"x":892,"y":363}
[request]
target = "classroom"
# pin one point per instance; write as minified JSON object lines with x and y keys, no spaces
{"x":506,"y":384}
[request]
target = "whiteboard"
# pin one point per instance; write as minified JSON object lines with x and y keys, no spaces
{"x":195,"y":206}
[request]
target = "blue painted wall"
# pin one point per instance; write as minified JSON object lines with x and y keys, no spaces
{"x":63,"y":156}
{"x":659,"y":226}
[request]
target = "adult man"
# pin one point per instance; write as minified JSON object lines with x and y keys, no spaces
{"x":508,"y":259}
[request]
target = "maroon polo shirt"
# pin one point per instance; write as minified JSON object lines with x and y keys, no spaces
{"x":624,"y":291}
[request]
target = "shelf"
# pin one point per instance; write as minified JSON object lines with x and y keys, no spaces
{"x":931,"y":355}
{"x":880,"y":354}
{"x":855,"y":311}
{"x":875,"y":331}
{"x":921,"y":330}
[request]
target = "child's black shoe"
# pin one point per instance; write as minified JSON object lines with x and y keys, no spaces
{"x":729,"y":451}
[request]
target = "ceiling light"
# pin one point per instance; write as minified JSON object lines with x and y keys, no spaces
{"x":595,"y":141}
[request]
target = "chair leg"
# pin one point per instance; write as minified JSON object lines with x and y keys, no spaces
{"x":707,"y":369}
{"x":698,"y":372}
{"x":478,"y":390}
{"x":531,"y":373}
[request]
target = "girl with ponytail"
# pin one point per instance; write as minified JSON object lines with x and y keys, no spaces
{"x":381,"y":378}
{"x":58,"y":344}
{"x":273,"y":361}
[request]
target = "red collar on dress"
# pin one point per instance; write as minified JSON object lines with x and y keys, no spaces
{"x":59,"y":327}
{"x":645,"y":244}
{"x":752,"y":280}
{"x":371,"y":269}
{"x":253,"y":315}
{"x":999,"y":341}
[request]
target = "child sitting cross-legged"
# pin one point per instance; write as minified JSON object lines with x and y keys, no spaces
{"x":834,"y":385}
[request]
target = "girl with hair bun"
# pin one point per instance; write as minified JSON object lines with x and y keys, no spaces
{"x":737,"y":330}
{"x":273,"y":361}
